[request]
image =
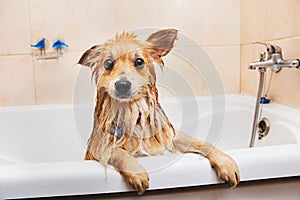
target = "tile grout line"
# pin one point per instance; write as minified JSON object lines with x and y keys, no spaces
{"x":31,"y":54}
{"x":240,"y":48}
{"x":273,"y":40}
{"x":32,"y":59}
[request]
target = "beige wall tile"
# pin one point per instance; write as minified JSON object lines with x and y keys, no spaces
{"x":227,"y":61}
{"x":16,"y":81}
{"x":133,"y":14}
{"x":208,"y":22}
{"x":55,"y":79}
{"x":290,"y":47}
{"x":253,"y":20}
{"x":220,"y":22}
{"x":180,"y":77}
{"x":184,"y":16}
{"x":249,"y":78}
{"x":282,"y":19}
{"x":15,"y":29}
{"x":284,"y":87}
{"x":209,"y":70}
{"x":80,"y":23}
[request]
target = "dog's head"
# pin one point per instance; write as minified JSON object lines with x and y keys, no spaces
{"x":124,"y":65}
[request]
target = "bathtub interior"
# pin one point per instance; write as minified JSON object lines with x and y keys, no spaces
{"x":60,"y":133}
{"x":39,"y":134}
{"x":225,"y":122}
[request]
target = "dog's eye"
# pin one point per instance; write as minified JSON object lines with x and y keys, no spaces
{"x":139,"y":63}
{"x":108,"y":64}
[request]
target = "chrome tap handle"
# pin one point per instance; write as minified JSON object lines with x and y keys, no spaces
{"x":262,"y":56}
{"x":271,"y":48}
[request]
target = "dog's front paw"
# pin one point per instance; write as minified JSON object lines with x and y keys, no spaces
{"x":139,"y":181}
{"x":226,"y":168}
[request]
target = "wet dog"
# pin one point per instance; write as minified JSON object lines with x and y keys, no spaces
{"x":128,"y":119}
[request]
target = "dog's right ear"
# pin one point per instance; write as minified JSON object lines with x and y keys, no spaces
{"x":161,"y":43}
{"x":91,"y":56}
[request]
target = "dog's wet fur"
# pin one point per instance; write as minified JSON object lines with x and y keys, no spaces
{"x":128,"y":119}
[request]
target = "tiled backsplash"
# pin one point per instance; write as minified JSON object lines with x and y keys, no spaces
{"x":26,"y":81}
{"x":224,"y":28}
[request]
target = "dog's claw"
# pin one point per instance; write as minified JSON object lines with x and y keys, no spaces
{"x":140,"y":182}
{"x":226,"y":168}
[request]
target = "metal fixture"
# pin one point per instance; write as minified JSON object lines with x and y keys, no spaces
{"x":263,"y":128}
{"x":275,"y":62}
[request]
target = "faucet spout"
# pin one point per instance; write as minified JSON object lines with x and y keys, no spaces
{"x":261,"y":64}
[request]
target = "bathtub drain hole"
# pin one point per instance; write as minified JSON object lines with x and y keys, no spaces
{"x":263,"y":128}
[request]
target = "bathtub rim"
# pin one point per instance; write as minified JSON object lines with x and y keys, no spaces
{"x":92,"y":173}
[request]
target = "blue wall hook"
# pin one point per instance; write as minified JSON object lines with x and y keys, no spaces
{"x":59,"y":44}
{"x":40,"y":44}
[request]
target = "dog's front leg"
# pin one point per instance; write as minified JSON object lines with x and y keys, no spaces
{"x":131,"y":170}
{"x":225,"y":166}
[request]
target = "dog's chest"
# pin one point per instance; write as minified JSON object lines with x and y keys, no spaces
{"x":146,"y":132}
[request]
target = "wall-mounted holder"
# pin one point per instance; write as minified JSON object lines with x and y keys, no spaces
{"x":58,"y":45}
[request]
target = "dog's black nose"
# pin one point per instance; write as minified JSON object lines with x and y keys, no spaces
{"x":123,"y":88}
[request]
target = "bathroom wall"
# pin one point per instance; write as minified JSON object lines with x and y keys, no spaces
{"x":278,"y":22}
{"x":213,"y":24}
{"x":224,"y":28}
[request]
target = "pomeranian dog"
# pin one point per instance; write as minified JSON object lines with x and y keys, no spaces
{"x":128,"y":119}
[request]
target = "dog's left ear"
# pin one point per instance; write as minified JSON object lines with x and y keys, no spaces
{"x":91,"y":56}
{"x":161,"y":43}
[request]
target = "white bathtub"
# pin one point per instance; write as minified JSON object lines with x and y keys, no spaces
{"x":42,"y":147}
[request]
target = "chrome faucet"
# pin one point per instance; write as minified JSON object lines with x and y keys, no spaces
{"x":274,"y":60}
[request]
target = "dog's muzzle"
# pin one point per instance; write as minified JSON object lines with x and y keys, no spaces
{"x":122,"y":89}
